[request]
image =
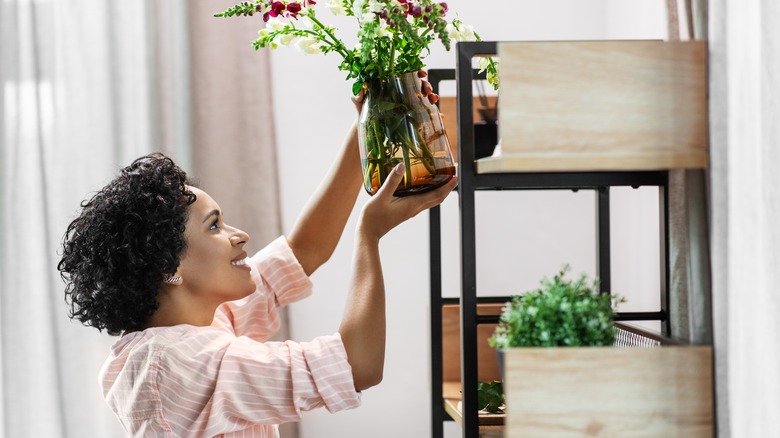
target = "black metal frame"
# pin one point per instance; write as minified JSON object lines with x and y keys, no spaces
{"x":469,"y":183}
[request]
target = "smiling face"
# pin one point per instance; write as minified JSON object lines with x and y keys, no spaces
{"x":213,"y":265}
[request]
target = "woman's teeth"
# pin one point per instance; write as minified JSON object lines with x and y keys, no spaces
{"x":241,"y":262}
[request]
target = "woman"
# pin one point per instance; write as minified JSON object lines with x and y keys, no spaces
{"x":151,"y":258}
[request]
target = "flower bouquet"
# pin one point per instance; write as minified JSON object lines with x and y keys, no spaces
{"x":399,"y":121}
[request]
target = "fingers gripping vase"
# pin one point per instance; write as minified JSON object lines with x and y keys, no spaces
{"x":399,"y":124}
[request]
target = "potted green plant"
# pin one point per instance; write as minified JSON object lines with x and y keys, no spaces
{"x":560,"y":313}
{"x":579,"y":384}
{"x":398,"y":123}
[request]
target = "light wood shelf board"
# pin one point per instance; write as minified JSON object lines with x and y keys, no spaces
{"x":610,"y":105}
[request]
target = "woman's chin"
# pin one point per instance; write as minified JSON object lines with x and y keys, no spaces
{"x":249,"y":289}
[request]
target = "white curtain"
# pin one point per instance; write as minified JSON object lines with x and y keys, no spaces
{"x":745,"y":182}
{"x":77,"y":102}
{"x":85,"y":87}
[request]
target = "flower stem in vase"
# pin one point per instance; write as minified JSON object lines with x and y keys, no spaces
{"x":397,"y":123}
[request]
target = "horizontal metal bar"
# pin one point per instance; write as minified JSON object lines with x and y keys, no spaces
{"x":488,"y":319}
{"x":448,"y":74}
{"x":641,"y":316}
{"x":568,"y":180}
{"x":480,"y":300}
{"x":469,"y":49}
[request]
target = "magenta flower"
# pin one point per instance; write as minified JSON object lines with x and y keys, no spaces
{"x":293,"y":8}
{"x":277,"y":8}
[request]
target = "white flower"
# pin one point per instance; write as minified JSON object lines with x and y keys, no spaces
{"x":337,"y":7}
{"x":274,"y":24}
{"x":363,"y":15}
{"x":483,"y":63}
{"x":308,"y":45}
{"x":533,"y":311}
{"x":284,"y":39}
{"x":357,"y":7}
{"x":383,"y":30}
{"x":306,"y":22}
{"x":460,"y":31}
{"x":375,"y":6}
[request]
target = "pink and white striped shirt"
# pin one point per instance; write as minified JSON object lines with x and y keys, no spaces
{"x":227,"y":380}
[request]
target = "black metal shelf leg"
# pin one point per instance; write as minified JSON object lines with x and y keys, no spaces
{"x":603,"y":253}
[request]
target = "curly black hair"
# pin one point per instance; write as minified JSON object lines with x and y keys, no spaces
{"x":127,"y":239}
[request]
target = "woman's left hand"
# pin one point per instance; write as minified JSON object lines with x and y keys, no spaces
{"x":426,"y":88}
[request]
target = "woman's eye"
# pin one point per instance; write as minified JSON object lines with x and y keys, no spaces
{"x":214,"y":225}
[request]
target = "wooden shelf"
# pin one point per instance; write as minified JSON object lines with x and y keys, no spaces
{"x":584,"y":106}
{"x":608,"y":391}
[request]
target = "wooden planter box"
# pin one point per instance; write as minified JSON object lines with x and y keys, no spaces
{"x":607,"y":391}
{"x":601,"y":106}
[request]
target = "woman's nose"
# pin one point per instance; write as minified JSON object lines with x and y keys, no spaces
{"x":239,"y":237}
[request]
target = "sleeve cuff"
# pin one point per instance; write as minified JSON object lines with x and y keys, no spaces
{"x":331,"y":373}
{"x":277,"y":267}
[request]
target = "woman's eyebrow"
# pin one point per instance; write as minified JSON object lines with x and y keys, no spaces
{"x":214,"y":212}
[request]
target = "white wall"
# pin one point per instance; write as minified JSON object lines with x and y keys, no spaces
{"x":313,"y":112}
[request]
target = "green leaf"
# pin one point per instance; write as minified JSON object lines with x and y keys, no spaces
{"x":490,"y":396}
{"x":356,"y":87}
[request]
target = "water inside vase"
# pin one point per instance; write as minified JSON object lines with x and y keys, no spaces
{"x":421,"y":179}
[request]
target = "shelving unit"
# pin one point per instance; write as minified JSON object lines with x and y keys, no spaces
{"x":471,"y":181}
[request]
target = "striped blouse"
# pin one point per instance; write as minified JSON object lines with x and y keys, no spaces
{"x":228,"y":380}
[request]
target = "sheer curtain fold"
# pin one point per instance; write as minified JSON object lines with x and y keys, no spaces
{"x":86,"y":87}
{"x":690,"y":306}
{"x":745,"y":90}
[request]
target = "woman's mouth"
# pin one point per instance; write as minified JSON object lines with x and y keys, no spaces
{"x":241,"y":262}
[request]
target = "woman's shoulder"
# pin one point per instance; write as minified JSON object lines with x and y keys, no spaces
{"x":164,"y":338}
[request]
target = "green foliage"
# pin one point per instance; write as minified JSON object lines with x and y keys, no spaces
{"x":561,"y":312}
{"x":393,"y":37}
{"x":490,"y":396}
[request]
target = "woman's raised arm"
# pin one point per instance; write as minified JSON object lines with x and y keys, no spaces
{"x":362,"y":327}
{"x":319,"y":227}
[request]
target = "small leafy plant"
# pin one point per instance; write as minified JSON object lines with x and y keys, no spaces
{"x":490,"y":396}
{"x":561,"y":312}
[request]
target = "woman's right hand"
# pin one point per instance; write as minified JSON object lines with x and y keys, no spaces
{"x":383,"y":211}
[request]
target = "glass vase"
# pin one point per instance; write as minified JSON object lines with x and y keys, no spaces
{"x":399,"y":124}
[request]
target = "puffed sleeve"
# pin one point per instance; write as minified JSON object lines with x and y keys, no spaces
{"x":280,"y":280}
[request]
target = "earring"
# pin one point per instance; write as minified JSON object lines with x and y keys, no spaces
{"x":172,"y":279}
